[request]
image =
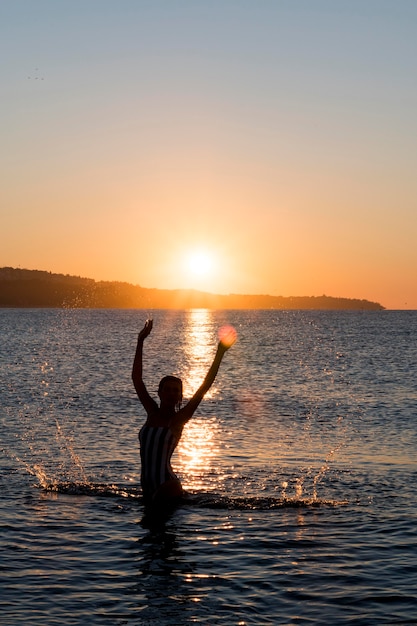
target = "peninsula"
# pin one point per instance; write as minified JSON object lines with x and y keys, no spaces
{"x":35,"y":288}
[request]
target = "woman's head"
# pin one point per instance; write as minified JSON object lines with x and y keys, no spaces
{"x":170,"y":391}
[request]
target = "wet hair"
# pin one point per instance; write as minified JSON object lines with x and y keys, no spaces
{"x":166,"y":379}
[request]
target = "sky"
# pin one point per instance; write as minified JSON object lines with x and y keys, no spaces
{"x":232,"y":146}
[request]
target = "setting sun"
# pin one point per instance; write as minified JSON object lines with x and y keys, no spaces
{"x":199,"y":263}
{"x":201,"y":268}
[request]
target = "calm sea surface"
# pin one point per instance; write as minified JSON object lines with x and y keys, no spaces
{"x":301,"y":465}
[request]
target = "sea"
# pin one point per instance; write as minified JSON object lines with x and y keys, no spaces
{"x":300,"y":470}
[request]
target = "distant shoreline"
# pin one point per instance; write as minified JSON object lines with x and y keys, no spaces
{"x":21,"y":288}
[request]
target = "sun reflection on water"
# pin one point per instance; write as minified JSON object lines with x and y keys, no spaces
{"x":196,"y":452}
{"x":199,"y":443}
{"x":199,"y":347}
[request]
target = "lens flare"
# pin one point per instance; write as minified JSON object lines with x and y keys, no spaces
{"x":227,"y":335}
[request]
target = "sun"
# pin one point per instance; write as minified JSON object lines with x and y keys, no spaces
{"x":200,"y":268}
{"x":199,"y":263}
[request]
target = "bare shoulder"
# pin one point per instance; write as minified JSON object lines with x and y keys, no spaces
{"x":180,"y":419}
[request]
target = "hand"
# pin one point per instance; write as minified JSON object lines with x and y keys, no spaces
{"x":227,"y":336}
{"x":146,"y":330}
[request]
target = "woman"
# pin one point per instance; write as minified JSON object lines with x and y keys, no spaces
{"x":160,"y":434}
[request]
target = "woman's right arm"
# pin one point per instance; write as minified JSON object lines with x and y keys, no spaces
{"x":137,"y":371}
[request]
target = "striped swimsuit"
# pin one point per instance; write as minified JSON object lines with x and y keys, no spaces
{"x":156,"y":447}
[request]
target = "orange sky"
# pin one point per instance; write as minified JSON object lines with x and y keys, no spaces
{"x":279,"y":137}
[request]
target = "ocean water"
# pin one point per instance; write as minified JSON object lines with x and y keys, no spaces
{"x":300,"y":468}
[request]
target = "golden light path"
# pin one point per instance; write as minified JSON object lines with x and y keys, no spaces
{"x":199,"y":348}
{"x":199,"y":443}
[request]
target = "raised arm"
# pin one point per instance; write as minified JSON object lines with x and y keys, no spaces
{"x":226,"y":341}
{"x":137,"y":370}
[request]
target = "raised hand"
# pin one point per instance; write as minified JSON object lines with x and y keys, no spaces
{"x":146,"y":330}
{"x":227,"y":336}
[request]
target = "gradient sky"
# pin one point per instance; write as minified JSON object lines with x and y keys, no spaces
{"x":280,"y":136}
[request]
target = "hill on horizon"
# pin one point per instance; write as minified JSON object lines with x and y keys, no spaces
{"x":23,"y":288}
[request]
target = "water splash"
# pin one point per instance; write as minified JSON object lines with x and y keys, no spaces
{"x":69,"y":448}
{"x":298,"y":491}
{"x":92,"y":489}
{"x":217,"y":501}
{"x":325,"y":467}
{"x":36,"y":469}
{"x":35,"y":451}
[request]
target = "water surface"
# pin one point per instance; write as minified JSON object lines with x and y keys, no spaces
{"x":300,"y":467}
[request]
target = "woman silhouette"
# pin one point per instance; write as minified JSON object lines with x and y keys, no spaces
{"x":160,"y":434}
